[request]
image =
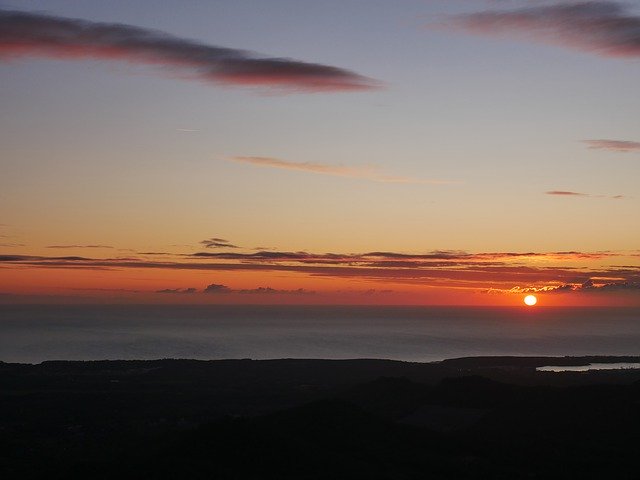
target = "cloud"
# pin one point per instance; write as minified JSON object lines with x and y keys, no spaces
{"x":114,"y":290}
{"x":279,"y":260}
{"x":566,"y":193}
{"x":153,"y":253}
{"x":78,"y":246}
{"x":588,"y":286}
{"x":178,"y":290}
{"x":12,"y":245}
{"x":262,"y":255}
{"x":603,"y":28}
{"x":366,"y":173}
{"x":456,"y":255}
{"x":623,"y":146}
{"x":25,"y":34}
{"x":273,"y":291}
{"x":374,"y":291}
{"x":217,"y":288}
{"x":593,"y":286}
{"x":217,"y":243}
{"x":500,"y":270}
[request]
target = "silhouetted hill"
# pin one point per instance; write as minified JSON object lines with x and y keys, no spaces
{"x":312,"y":419}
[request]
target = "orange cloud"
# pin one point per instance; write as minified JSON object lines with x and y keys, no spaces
{"x":500,"y":270}
{"x":368,"y":173}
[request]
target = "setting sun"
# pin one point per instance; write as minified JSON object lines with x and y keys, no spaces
{"x":530,"y":300}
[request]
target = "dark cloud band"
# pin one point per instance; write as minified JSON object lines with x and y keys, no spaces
{"x":216,"y":288}
{"x":604,"y":28}
{"x":438,"y":268}
{"x":24,"y":34}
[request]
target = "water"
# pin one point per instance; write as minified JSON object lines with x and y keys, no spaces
{"x":32,"y":334}
{"x":589,"y":367}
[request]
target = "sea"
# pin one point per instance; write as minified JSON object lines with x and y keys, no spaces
{"x":36,"y":333}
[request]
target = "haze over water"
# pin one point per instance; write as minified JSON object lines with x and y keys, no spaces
{"x":33,"y":334}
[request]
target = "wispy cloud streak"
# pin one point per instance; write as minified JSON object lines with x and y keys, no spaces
{"x":604,"y":28}
{"x":216,"y":288}
{"x":217,"y":243}
{"x":588,"y":286}
{"x":178,"y":290}
{"x":78,"y":246}
{"x":568,"y":193}
{"x":495,"y":269}
{"x":623,"y":146}
{"x":368,"y":173}
{"x":25,"y":34}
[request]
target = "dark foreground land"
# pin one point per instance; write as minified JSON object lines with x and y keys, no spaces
{"x":475,"y":418}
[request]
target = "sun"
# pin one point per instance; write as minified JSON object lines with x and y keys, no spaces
{"x":530,"y":300}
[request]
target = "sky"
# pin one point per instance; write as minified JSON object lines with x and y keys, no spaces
{"x":297,"y":152}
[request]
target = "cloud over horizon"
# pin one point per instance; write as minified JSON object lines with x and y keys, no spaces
{"x":216,"y":288}
{"x":178,"y":290}
{"x":500,"y":270}
{"x":26,"y":34}
{"x":604,"y":28}
{"x":588,"y":286}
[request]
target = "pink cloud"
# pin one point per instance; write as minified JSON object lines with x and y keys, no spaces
{"x":613,"y":145}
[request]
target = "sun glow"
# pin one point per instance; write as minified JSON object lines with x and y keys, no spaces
{"x":530,"y":300}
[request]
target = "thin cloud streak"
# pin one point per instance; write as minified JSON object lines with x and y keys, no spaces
{"x":217,"y":243}
{"x":589,"y":286}
{"x":603,"y":28}
{"x":568,"y":193}
{"x":623,"y":146}
{"x":216,"y":288}
{"x":178,"y":290}
{"x":78,"y":246}
{"x":25,"y":34}
{"x":369,"y":173}
{"x":499,"y":270}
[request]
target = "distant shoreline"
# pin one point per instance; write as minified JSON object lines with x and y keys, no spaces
{"x":524,"y":361}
